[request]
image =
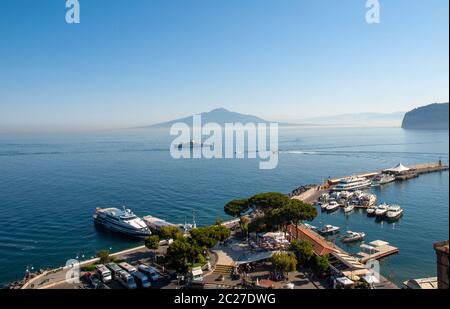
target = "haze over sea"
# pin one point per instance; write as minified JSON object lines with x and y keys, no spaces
{"x":52,"y":183}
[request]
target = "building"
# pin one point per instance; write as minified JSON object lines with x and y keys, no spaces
{"x":441,"y":249}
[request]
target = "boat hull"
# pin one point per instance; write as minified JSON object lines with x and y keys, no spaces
{"x":120,"y":229}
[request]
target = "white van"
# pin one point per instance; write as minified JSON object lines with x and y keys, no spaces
{"x":126,"y":280}
{"x":141,"y":279}
{"x":127,"y":267}
{"x":149,"y":271}
{"x":103,"y":273}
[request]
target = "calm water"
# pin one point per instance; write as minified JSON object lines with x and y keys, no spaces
{"x":51,"y":184}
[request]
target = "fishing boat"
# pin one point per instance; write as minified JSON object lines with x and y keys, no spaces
{"x":353,"y":236}
{"x":332,"y":206}
{"x":381,"y":210}
{"x":329,"y":229}
{"x":394,"y":212}
{"x":349,"y":208}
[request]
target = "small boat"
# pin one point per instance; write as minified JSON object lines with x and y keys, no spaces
{"x":371,"y":211}
{"x":311,"y":227}
{"x":382,"y":179}
{"x":323,"y":206}
{"x":353,"y":236}
{"x":333,"y":206}
{"x":329,"y":229}
{"x":394,"y":212}
{"x":349,"y":208}
{"x":381,"y":210}
{"x":367,"y":199}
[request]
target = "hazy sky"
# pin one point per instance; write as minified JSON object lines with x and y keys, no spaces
{"x":136,"y":62}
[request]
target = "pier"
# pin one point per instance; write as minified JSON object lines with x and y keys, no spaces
{"x":376,"y":250}
{"x":415,"y":170}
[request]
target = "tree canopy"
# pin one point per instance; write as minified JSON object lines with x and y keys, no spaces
{"x":209,"y":236}
{"x":236,"y":208}
{"x":152,"y":242}
{"x":170,"y":232}
{"x":303,"y":251}
{"x":284,"y":262}
{"x":182,"y":254}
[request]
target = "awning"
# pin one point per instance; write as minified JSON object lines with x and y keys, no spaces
{"x":378,"y":243}
{"x":399,"y":168}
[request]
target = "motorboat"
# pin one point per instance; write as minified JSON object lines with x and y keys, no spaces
{"x":123,"y":221}
{"x":349,"y":208}
{"x":353,"y":236}
{"x":324,"y":206}
{"x":381,"y":210}
{"x":329,"y":229}
{"x":371,"y":211}
{"x":394,"y":212}
{"x":367,"y":199}
{"x":309,"y":226}
{"x":332,"y":206}
{"x":382,"y":179}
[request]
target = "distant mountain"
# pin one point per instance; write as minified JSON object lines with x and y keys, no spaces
{"x":218,"y":115}
{"x":358,"y":119}
{"x":430,"y":117}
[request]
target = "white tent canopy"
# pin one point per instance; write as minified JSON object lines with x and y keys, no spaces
{"x":398,"y":169}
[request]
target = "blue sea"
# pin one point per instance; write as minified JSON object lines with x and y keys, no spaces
{"x":52,"y":183}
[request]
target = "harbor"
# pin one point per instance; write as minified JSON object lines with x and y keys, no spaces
{"x":344,"y":264}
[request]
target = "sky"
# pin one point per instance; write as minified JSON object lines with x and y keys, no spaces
{"x":137,"y":62}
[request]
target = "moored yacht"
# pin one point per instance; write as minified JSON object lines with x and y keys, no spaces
{"x":371,"y":211}
{"x":329,"y":229}
{"x":382,"y":179}
{"x":352,"y":183}
{"x":349,"y":208}
{"x":123,"y":221}
{"x":394,"y":212}
{"x":332,"y":206}
{"x":381,"y":210}
{"x":353,"y":236}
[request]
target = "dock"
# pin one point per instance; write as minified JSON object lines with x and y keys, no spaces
{"x":415,"y":170}
{"x":376,"y":250}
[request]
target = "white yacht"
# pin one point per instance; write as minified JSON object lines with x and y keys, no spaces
{"x":394,"y":212}
{"x":123,"y":221}
{"x":329,"y":229}
{"x":381,"y":210}
{"x":332,"y":206}
{"x":367,"y":200}
{"x":371,"y":211}
{"x":382,"y":179}
{"x":353,"y":236}
{"x":349,"y":208}
{"x":352,"y":183}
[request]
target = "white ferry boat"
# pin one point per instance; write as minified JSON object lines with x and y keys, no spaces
{"x":352,"y":183}
{"x":123,"y":221}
